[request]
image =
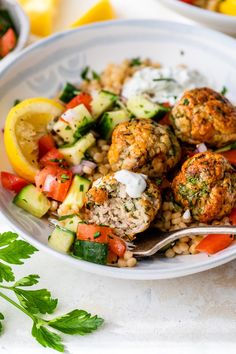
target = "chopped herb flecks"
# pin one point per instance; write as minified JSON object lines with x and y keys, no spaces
{"x":97,"y":234}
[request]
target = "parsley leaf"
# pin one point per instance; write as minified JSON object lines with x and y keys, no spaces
{"x":224,"y":90}
{"x":76,"y":322}
{"x":95,"y":75}
{"x":6,"y":273}
{"x":36,"y":301}
{"x":16,"y":251}
{"x":7,"y":237}
{"x":84,"y":73}
{"x":28,"y":281}
{"x":1,"y":319}
{"x":47,"y":338}
{"x":135,"y":62}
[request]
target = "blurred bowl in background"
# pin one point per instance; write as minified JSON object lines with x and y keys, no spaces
{"x":215,"y":20}
{"x":21,"y":23}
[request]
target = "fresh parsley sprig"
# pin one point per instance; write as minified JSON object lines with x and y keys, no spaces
{"x":35,"y":302}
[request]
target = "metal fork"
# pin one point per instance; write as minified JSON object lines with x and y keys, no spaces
{"x":153,"y":240}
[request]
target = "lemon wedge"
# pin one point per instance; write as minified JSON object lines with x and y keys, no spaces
{"x":41,"y":14}
{"x":101,"y":11}
{"x":25,"y":124}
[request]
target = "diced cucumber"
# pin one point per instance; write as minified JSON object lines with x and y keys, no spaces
{"x":141,"y":107}
{"x":69,"y":91}
{"x":91,"y":251}
{"x":110,"y":120}
{"x":103,"y":101}
{"x":74,"y":153}
{"x":79,"y":123}
{"x":70,"y":223}
{"x":64,"y":130}
{"x":61,"y":239}
{"x":76,"y":195}
{"x":81,"y":120}
{"x":32,"y":200}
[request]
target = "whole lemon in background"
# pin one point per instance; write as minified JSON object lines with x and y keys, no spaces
{"x":228,"y":7}
{"x":48,"y":16}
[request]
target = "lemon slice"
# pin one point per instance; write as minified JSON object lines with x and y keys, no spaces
{"x":25,"y":124}
{"x":101,"y":11}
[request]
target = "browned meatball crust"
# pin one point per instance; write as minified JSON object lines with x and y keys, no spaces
{"x":143,"y":146}
{"x":108,"y":203}
{"x":206,"y":185}
{"x":204,"y":116}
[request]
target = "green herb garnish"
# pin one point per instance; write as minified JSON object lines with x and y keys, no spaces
{"x":16,"y":102}
{"x":186,"y":102}
{"x":224,"y":91}
{"x":65,"y":177}
{"x":81,"y":187}
{"x":97,"y":234}
{"x":84,"y":73}
{"x":34,"y":303}
{"x":135,"y":62}
{"x":168,"y":79}
{"x":95,"y":75}
{"x":158,"y":181}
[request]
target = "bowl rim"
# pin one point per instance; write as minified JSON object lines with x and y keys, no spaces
{"x":202,"y":12}
{"x":226,"y":39}
{"x":137,"y":274}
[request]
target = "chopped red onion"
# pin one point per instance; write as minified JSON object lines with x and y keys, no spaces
{"x":90,"y":164}
{"x":78,"y":169}
{"x":201,"y":147}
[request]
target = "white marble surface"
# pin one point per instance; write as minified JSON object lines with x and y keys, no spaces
{"x":195,"y":314}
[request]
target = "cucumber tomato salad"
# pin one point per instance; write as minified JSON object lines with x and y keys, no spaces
{"x":134,"y":147}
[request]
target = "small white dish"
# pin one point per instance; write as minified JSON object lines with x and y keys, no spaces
{"x":21,"y":23}
{"x":215,"y":20}
{"x":40,"y":70}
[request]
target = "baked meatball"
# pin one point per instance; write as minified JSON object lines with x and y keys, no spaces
{"x":143,"y":146}
{"x":206,"y":185}
{"x":108,"y":203}
{"x":204,"y":116}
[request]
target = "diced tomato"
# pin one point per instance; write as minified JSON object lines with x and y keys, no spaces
{"x":102,"y":234}
{"x":117,"y":245}
{"x":165,"y":120}
{"x":230,"y":156}
{"x":45,"y":144}
{"x":214,"y":243}
{"x":191,"y":2}
{"x":12,"y":182}
{"x":232,"y":217}
{"x":82,"y":98}
{"x":7,"y":42}
{"x":54,"y":182}
{"x":53,"y":157}
{"x":111,"y":257}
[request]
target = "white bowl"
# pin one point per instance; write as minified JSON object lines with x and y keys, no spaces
{"x":21,"y":23}
{"x":215,"y":20}
{"x":42,"y":68}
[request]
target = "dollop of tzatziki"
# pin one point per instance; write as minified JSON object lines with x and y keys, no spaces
{"x":135,"y":182}
{"x":165,"y":84}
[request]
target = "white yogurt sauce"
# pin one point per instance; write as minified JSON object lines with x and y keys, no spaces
{"x":135,"y":182}
{"x":152,"y":83}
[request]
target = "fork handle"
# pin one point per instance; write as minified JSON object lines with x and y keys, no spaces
{"x":154,"y":242}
